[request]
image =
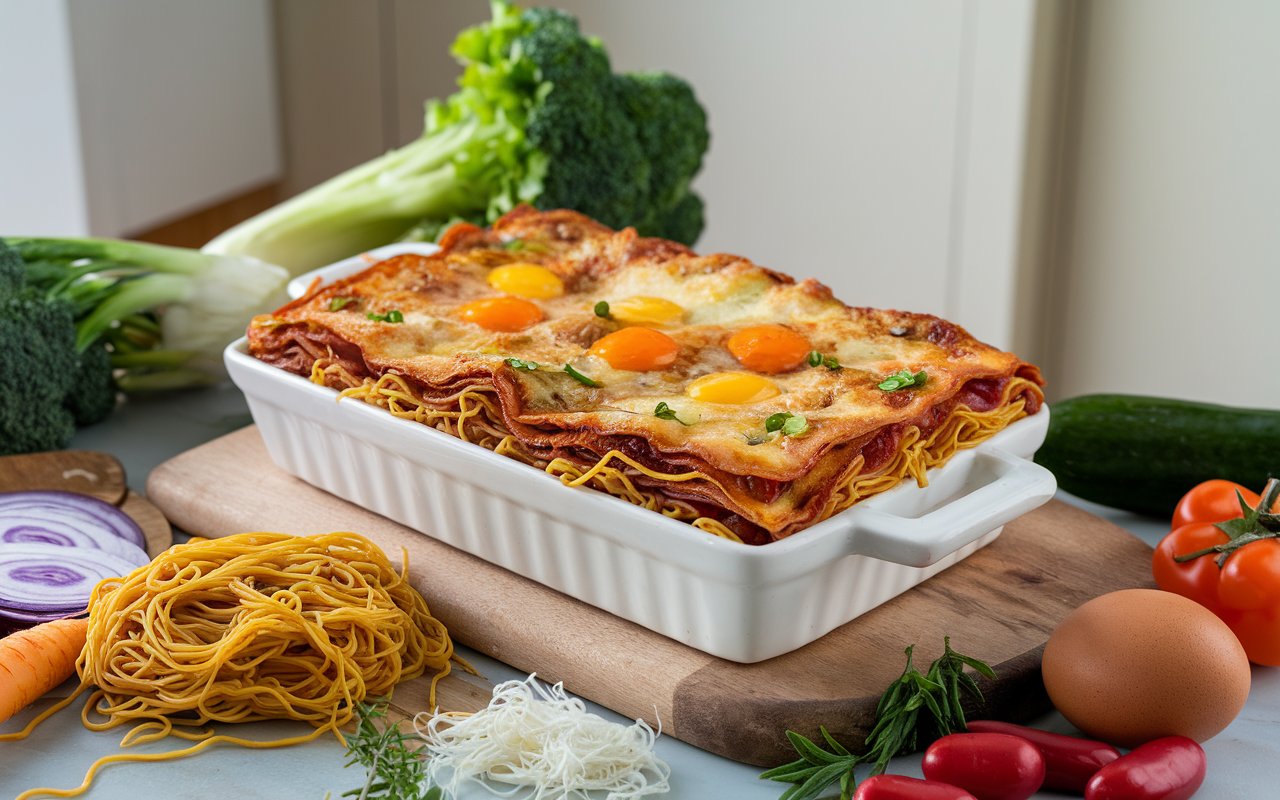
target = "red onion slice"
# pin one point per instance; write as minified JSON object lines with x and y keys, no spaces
{"x":52,"y":579}
{"x":86,"y":514}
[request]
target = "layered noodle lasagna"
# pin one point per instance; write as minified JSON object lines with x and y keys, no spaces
{"x":704,"y":388}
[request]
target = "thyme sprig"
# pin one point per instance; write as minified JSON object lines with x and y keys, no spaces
{"x":393,"y":769}
{"x":899,"y":727}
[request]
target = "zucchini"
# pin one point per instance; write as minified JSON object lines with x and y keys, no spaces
{"x":1143,"y":453}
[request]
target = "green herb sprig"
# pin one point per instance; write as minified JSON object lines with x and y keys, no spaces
{"x":393,"y":769}
{"x":664,"y":411}
{"x":339,"y":303}
{"x":393,"y":315}
{"x":521,"y":364}
{"x":787,"y":423}
{"x":903,"y":379}
{"x":580,"y":378}
{"x":817,"y":359}
{"x":899,"y":728}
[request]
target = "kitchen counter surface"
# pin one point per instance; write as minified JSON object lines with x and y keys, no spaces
{"x":1244,"y":760}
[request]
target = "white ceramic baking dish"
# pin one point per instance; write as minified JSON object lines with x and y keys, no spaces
{"x":735,"y":601}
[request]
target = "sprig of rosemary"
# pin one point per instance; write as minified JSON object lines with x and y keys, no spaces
{"x":393,"y":770}
{"x":898,"y":729}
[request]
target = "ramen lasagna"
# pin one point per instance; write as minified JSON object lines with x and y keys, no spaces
{"x":704,"y":388}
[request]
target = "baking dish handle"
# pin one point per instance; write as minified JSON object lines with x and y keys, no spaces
{"x":1015,"y":486}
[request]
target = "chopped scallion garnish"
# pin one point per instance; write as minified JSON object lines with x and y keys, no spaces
{"x":787,"y":424}
{"x":903,"y":379}
{"x":339,"y":303}
{"x":393,"y":315}
{"x":580,"y":378}
{"x":602,"y":309}
{"x":521,"y":364}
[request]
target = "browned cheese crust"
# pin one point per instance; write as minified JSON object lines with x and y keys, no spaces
{"x":777,"y":486}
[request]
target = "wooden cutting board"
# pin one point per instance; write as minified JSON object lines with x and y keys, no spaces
{"x":998,"y":605}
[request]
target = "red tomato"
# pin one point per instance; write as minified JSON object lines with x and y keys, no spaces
{"x":1212,"y":501}
{"x":1196,"y":579}
{"x":900,"y":787}
{"x":1171,"y":768}
{"x":1069,"y":762}
{"x":1244,"y":592}
{"x":991,"y":766}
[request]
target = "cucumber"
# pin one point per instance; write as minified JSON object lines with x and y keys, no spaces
{"x":1143,"y":453}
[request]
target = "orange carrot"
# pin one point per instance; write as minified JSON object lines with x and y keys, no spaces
{"x":35,"y":660}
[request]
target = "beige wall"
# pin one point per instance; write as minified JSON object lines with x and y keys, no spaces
{"x":1167,"y":280}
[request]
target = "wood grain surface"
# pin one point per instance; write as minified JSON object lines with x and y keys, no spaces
{"x":96,"y":474}
{"x":81,"y":471}
{"x":998,"y":605}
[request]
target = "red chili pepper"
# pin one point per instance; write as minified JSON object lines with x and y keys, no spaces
{"x":991,"y":766}
{"x":900,"y":787}
{"x":1069,"y":762}
{"x":1171,"y":768}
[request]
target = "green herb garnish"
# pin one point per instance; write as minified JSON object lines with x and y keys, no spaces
{"x":520,"y":245}
{"x":602,"y":309}
{"x":787,"y":423}
{"x":339,"y":303}
{"x":521,"y":364}
{"x":393,"y":769}
{"x":664,"y":411}
{"x":903,"y":379}
{"x":898,"y":728}
{"x":580,"y":378}
{"x":393,"y":315}
{"x":817,"y":359}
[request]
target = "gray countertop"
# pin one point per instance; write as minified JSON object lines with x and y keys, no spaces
{"x":1244,"y":760}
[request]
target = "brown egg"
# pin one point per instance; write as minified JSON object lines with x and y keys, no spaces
{"x":1134,"y":665}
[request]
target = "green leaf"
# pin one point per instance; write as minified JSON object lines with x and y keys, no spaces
{"x":836,"y":746}
{"x":602,"y":309}
{"x":580,"y":378}
{"x":664,"y":411}
{"x":393,"y":316}
{"x":815,"y":358}
{"x":795,"y":425}
{"x":520,"y":364}
{"x":811,"y":752}
{"x":774,"y":422}
{"x":339,"y":303}
{"x":830,"y":363}
{"x":789,"y":773}
{"x":903,"y":379}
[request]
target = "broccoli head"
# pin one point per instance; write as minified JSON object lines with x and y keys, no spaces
{"x":539,"y":118}
{"x":92,"y":396}
{"x":37,"y":368}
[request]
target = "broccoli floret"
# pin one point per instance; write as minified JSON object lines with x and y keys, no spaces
{"x":12,"y":272}
{"x":539,"y":118}
{"x":92,"y":395}
{"x":37,"y":368}
{"x":672,"y":130}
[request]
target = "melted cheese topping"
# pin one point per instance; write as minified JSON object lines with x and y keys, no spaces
{"x":462,"y":324}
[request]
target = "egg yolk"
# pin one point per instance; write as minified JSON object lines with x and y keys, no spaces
{"x":769,"y":348}
{"x":504,"y":314}
{"x":732,"y":387}
{"x":641,"y":310}
{"x":526,"y":280}
{"x":637,"y":349}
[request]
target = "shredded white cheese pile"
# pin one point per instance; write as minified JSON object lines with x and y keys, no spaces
{"x":545,"y":744}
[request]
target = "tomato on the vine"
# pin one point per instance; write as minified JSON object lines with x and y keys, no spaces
{"x":1212,"y":501}
{"x":1229,"y":565}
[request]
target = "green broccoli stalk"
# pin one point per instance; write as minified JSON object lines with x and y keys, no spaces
{"x":539,"y":118}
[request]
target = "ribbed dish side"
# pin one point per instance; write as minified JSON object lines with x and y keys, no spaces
{"x":767,"y":620}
